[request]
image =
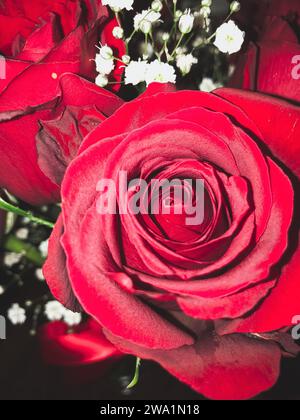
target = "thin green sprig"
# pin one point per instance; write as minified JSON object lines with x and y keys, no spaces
{"x":136,"y":377}
{"x":4,"y":205}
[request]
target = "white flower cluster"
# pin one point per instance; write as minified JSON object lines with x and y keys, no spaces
{"x":55,"y":311}
{"x":118,"y":5}
{"x":164,"y":52}
{"x":156,"y":71}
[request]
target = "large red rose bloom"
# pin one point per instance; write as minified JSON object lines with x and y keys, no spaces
{"x":200,"y":300}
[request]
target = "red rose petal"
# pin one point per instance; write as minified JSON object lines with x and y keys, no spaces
{"x":221,"y":368}
{"x":278,"y":121}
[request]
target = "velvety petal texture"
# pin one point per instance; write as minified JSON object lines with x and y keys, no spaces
{"x":191,"y":291}
{"x":271,"y":63}
{"x":39,"y":136}
{"x":45,"y":112}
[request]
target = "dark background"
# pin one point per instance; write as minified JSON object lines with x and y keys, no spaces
{"x":25,"y":377}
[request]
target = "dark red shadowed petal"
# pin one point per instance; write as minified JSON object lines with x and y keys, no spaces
{"x":86,"y":345}
{"x":42,"y":40}
{"x":221,"y":368}
{"x":273,"y":314}
{"x":19,"y":172}
{"x":55,"y":270}
{"x":10,"y":27}
{"x":98,"y":291}
{"x":278,"y":121}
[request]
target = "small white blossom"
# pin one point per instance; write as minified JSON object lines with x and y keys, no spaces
{"x":2,"y":290}
{"x":181,"y":50}
{"x":39,"y":274}
{"x":208,"y":85}
{"x":186,"y":22}
{"x":143,"y":21}
{"x":16,"y":314}
{"x":235,"y":6}
{"x":135,"y":72}
{"x":205,"y":11}
{"x":229,"y":38}
{"x":185,"y":63}
{"x":126,"y":59}
{"x":178,"y":15}
{"x":101,"y":80}
{"x":118,"y":32}
{"x":103,"y":65}
{"x":118,"y":5}
{"x":22,"y":233}
{"x":12,"y":258}
{"x":206,"y":3}
{"x":44,"y":248}
{"x":54,"y":310}
{"x":160,"y":72}
{"x":165,"y":37}
{"x":156,"y":5}
{"x":71,"y":318}
{"x":106,"y":52}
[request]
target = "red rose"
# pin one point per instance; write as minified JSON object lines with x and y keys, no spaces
{"x":60,"y":34}
{"x":51,"y":120}
{"x":83,"y":346}
{"x":271,"y":63}
{"x":84,"y":353}
{"x":200,"y":300}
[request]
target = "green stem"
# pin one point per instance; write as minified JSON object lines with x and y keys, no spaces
{"x":4,"y":205}
{"x":13,"y":244}
{"x":136,"y":374}
{"x":177,"y":45}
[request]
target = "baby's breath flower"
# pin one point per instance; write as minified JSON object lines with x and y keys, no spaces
{"x":143,"y":21}
{"x":160,"y":72}
{"x":205,"y":11}
{"x":208,"y":85}
{"x":165,"y":37}
{"x":235,"y":6}
{"x":135,"y":72}
{"x":101,"y":80}
{"x":44,"y":248}
{"x":54,"y":310}
{"x":229,"y":38}
{"x":118,"y":5}
{"x":185,"y":63}
{"x":156,"y":5}
{"x":118,"y":32}
{"x":103,"y":65}
{"x":39,"y":274}
{"x":106,"y":52}
{"x":186,"y":22}
{"x":12,"y":258}
{"x":71,"y":318}
{"x":16,"y":314}
{"x":22,"y":233}
{"x":126,"y":59}
{"x":178,"y":15}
